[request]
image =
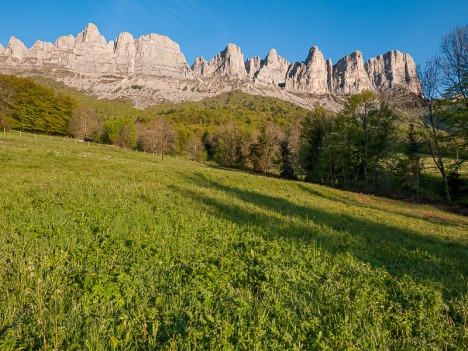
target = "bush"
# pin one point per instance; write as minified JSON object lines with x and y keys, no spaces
{"x":121,"y":132}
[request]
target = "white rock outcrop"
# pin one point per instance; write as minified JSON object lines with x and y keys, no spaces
{"x":200,"y":67}
{"x":16,"y":48}
{"x":272,"y":70}
{"x":229,"y":63}
{"x":125,"y":51}
{"x":252,"y":66}
{"x":90,"y":54}
{"x":392,"y":70}
{"x":152,"y":69}
{"x":310,"y":76}
{"x":349,"y":75}
{"x":158,"y":55}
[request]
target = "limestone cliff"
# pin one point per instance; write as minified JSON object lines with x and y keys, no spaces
{"x":391,"y":70}
{"x":152,"y":69}
{"x":349,"y":75}
{"x":310,"y":76}
{"x":272,"y":70}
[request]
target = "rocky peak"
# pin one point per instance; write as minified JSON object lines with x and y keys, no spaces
{"x":314,"y":55}
{"x":391,"y":70}
{"x":229,"y":63}
{"x":200,"y":67}
{"x":232,"y":50}
{"x":273,"y":70}
{"x":91,"y":52}
{"x":39,"y":51}
{"x":66,"y":42}
{"x":125,"y":44}
{"x":91,"y":34}
{"x":124,"y":49}
{"x":310,"y":76}
{"x":252,"y":66}
{"x":271,"y":58}
{"x":274,"y":59}
{"x":17,"y":48}
{"x":158,"y":55}
{"x":349,"y":75}
{"x":41,"y":45}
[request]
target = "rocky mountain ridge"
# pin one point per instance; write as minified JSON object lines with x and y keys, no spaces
{"x":152,"y":69}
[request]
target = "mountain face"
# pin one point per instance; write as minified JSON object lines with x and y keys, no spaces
{"x":152,"y":69}
{"x":349,"y":75}
{"x":310,"y":75}
{"x":272,"y":70}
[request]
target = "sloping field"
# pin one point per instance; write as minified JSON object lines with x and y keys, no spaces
{"x":104,"y":248}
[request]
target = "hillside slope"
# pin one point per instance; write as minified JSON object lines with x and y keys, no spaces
{"x":233,"y":106}
{"x":104,"y":248}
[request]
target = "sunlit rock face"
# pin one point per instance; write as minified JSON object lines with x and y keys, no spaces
{"x":391,"y":70}
{"x":152,"y":69}
{"x":272,"y":70}
{"x":349,"y":75}
{"x":309,"y":76}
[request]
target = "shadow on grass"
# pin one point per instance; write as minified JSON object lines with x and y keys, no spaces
{"x":399,"y":251}
{"x":352,"y":200}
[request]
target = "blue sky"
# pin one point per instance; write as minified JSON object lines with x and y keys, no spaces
{"x":203,"y":28}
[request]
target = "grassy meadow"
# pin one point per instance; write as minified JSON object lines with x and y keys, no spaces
{"x":109,"y":249}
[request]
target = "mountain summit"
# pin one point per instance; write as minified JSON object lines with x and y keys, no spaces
{"x":152,"y":69}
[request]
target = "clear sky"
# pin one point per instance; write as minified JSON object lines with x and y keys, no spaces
{"x":203,"y":28}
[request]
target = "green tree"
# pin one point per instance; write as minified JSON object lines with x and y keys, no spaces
{"x":121,"y":132}
{"x":372,"y":121}
{"x":37,"y":108}
{"x":362,"y":137}
{"x":7,"y":98}
{"x":210,"y":142}
{"x":264,"y":151}
{"x":382,"y":137}
{"x":228,"y":145}
{"x":286,"y":159}
{"x":411,"y":166}
{"x":314,"y":145}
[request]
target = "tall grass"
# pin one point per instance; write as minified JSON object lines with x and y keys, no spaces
{"x":103,"y":248}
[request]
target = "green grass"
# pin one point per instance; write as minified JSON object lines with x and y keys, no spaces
{"x":104,"y":248}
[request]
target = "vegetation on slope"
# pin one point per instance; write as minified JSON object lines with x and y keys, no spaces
{"x":106,"y":248}
{"x":232,"y":106}
{"x":34,"y":107}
